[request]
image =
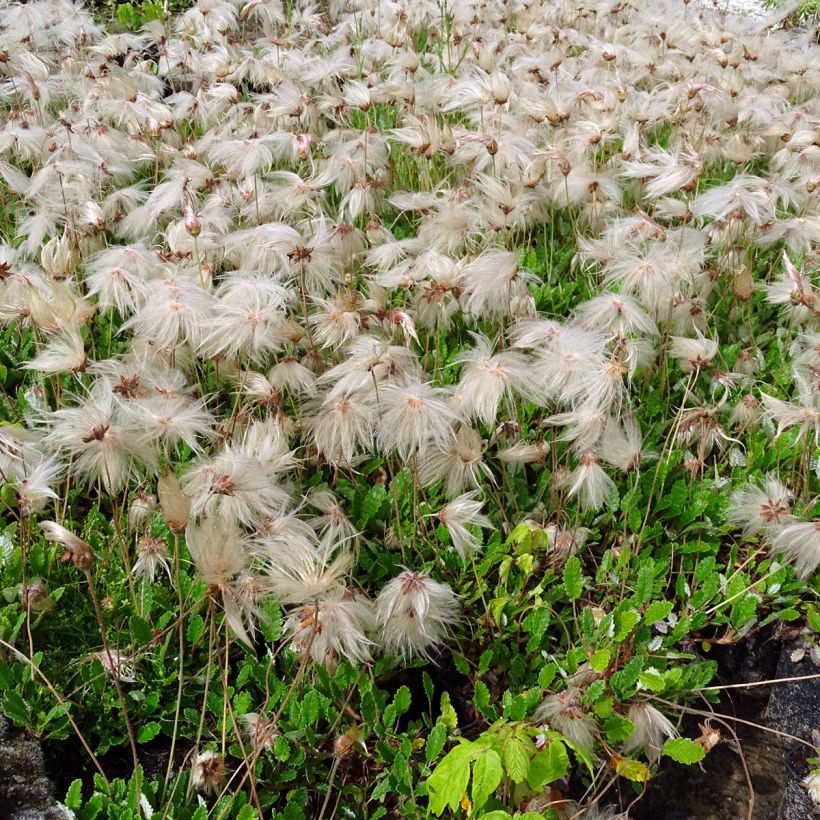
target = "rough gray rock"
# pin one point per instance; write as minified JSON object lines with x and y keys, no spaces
{"x":794,"y":707}
{"x":25,"y":790}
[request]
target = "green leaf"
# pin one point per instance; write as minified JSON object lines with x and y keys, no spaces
{"x":311,"y":709}
{"x":448,"y":714}
{"x":461,"y":665}
{"x":15,"y":707}
{"x":573,"y":578}
{"x":435,"y":741}
{"x":646,"y":583}
{"x":196,"y":626}
{"x":429,"y":690}
{"x":618,"y":728}
{"x":516,"y":759}
{"x":401,"y":700}
{"x":600,"y":660}
{"x":141,"y":630}
{"x":653,"y":680}
{"x":481,"y":698}
{"x":743,"y":610}
{"x":813,"y":617}
{"x":683,"y":750}
{"x":627,"y":621}
{"x":148,"y":731}
{"x":74,"y":795}
{"x":547,"y":675}
{"x":536,"y":624}
{"x":487,"y":774}
{"x":448,"y":783}
{"x":247,"y":812}
{"x":548,"y":765}
{"x":657,"y":611}
{"x":371,"y":503}
{"x":270,"y":620}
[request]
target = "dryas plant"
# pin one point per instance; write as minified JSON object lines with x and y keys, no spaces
{"x":399,"y":399}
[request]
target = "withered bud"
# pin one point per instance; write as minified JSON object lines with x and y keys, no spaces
{"x":77,"y":551}
{"x":35,"y":595}
{"x":303,"y":143}
{"x":176,"y":506}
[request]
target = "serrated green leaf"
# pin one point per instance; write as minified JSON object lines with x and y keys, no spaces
{"x":487,"y":774}
{"x":435,"y":741}
{"x":516,"y":759}
{"x":148,"y":731}
{"x":481,"y":699}
{"x":548,"y":765}
{"x":448,"y":713}
{"x":684,"y":750}
{"x":401,"y":700}
{"x":270,"y":620}
{"x":547,"y":675}
{"x":813,"y":617}
{"x":653,"y":680}
{"x":371,"y":503}
{"x":74,"y":795}
{"x":429,"y":689}
{"x":600,"y":660}
{"x":645,"y":583}
{"x":618,"y":728}
{"x":141,"y":630}
{"x":657,"y":611}
{"x":247,"y":812}
{"x":15,"y":707}
{"x":627,"y":621}
{"x":573,"y":578}
{"x":311,"y":708}
{"x":461,"y":665}
{"x":448,"y":783}
{"x":196,"y":626}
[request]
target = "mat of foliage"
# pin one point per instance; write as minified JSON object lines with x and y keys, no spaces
{"x":399,"y":399}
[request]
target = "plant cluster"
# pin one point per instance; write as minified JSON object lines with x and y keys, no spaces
{"x":400,"y":399}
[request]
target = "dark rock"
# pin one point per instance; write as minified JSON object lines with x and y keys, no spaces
{"x":25,"y":791}
{"x":794,"y":708}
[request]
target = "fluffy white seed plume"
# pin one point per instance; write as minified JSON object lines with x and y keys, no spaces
{"x":334,"y":628}
{"x":652,"y":729}
{"x":495,"y":285}
{"x":103,"y":445}
{"x":412,"y":418}
{"x":565,"y":713}
{"x":693,"y":354}
{"x":589,"y":483}
{"x":342,"y":427}
{"x":414,"y":614}
{"x":799,"y":542}
{"x":460,"y":465}
{"x":456,"y":514}
{"x":753,"y":509}
{"x":489,"y":378}
{"x":804,"y":415}
{"x":77,"y":551}
{"x":63,"y":354}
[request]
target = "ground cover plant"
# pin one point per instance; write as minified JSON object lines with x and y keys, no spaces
{"x":400,"y":400}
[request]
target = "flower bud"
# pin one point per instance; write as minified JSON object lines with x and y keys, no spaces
{"x":192,"y":224}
